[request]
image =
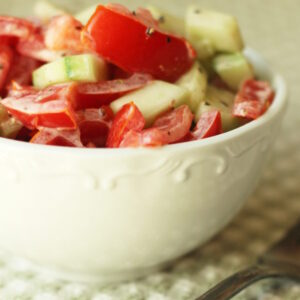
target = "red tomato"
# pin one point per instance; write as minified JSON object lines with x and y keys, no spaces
{"x":54,"y":137}
{"x":167,"y":129}
{"x":50,"y":107}
{"x":134,"y":44}
{"x":118,"y":73}
{"x":253,"y":99}
{"x":16,"y":90}
{"x":8,"y":40}
{"x":128,"y":118}
{"x":34,"y":47}
{"x":188,"y":138}
{"x":6,"y":57}
{"x":209,"y":124}
{"x":151,"y":137}
{"x":94,"y":125}
{"x":95,"y":95}
{"x":63,"y":33}
{"x":15,"y":27}
{"x":175,"y":125}
{"x":21,"y":70}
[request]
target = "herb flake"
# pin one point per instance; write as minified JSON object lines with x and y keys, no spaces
{"x":161,"y":19}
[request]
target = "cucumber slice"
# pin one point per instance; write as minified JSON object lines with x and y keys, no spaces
{"x":84,"y":68}
{"x":176,"y":25}
{"x":208,"y":67}
{"x":223,"y":101}
{"x":3,"y":113}
{"x":205,"y":49}
{"x":10,"y":128}
{"x":168,"y":22}
{"x":154,"y":99}
{"x":45,"y":10}
{"x":195,"y":81}
{"x":220,"y":29}
{"x":50,"y":74}
{"x":85,"y":15}
{"x":234,"y":69}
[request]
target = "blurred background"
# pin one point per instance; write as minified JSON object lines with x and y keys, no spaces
{"x":272,"y":27}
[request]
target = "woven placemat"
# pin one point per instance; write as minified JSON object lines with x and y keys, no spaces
{"x":273,"y":28}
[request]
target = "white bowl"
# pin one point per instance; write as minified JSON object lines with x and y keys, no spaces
{"x":107,"y":215}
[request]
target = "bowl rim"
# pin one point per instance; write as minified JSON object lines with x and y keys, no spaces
{"x":278,"y":106}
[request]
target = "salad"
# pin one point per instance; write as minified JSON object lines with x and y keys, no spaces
{"x":112,"y":77}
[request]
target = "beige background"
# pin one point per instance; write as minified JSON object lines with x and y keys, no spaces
{"x":272,"y":27}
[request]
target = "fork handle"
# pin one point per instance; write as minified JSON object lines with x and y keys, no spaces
{"x":231,"y":286}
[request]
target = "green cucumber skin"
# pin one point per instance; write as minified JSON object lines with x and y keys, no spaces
{"x":82,"y":68}
{"x":68,"y":67}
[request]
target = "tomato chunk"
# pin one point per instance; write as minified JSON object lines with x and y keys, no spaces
{"x":54,"y":137}
{"x":135,"y":44}
{"x":8,"y":40}
{"x":253,"y":99}
{"x":50,"y":107}
{"x":17,"y":90}
{"x":94,"y":125}
{"x":128,"y":118}
{"x":209,"y":124}
{"x":167,"y":129}
{"x":34,"y":47}
{"x":95,"y":95}
{"x":118,"y":73}
{"x":6,"y":57}
{"x":152,"y":137}
{"x":21,"y":70}
{"x":15,"y":27}
{"x":175,"y":125}
{"x":63,"y":33}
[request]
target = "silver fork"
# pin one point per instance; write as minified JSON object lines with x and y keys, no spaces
{"x":282,"y":260}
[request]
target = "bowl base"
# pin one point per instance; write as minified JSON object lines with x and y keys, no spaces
{"x":99,"y":279}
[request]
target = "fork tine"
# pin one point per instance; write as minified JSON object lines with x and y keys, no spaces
{"x":234,"y":284}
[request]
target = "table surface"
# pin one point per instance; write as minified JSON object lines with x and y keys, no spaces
{"x":273,"y":28}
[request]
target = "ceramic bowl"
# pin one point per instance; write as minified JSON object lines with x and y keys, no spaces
{"x":107,"y":215}
{"x":103,"y":215}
